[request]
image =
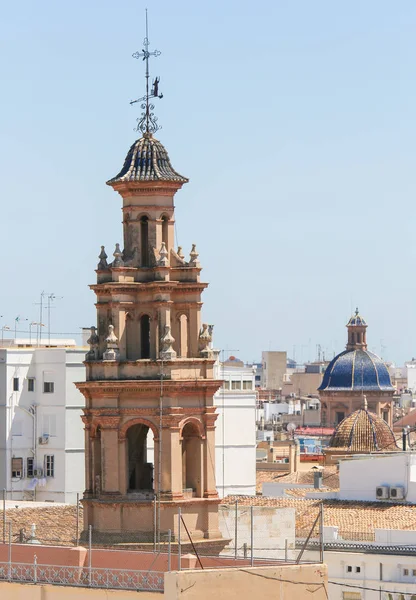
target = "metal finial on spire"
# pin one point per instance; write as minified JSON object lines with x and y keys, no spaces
{"x":356,"y":311}
{"x":147,"y":123}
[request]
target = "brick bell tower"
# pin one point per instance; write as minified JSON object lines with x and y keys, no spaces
{"x":149,"y":416}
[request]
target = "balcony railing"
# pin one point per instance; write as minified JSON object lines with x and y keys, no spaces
{"x":125,"y":579}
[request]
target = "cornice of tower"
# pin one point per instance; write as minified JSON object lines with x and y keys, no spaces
{"x":128,"y":190}
{"x":130,"y":207}
{"x":136,"y":286}
{"x":171,"y":387}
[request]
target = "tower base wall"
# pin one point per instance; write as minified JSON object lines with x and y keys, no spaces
{"x":115,"y":521}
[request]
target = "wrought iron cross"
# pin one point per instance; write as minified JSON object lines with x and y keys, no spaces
{"x":147,"y":123}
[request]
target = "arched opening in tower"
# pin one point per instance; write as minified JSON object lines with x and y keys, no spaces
{"x":145,"y":336}
{"x":140,"y":471}
{"x":165,"y":226}
{"x":144,"y":241}
{"x":132,"y":338}
{"x":191,"y":460}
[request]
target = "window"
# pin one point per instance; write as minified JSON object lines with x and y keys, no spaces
{"x":349,"y":569}
{"x":49,"y":425}
{"x":414,"y":572}
{"x":29,"y":466}
{"x":31,"y":384}
{"x":165,"y":230}
{"x":358,"y":569}
{"x":236,"y":385}
{"x":405,"y":572}
{"x":351,"y":595}
{"x":17,"y":427}
{"x":17,"y":468}
{"x":144,"y":246}
{"x":50,"y":465}
{"x":226,"y":385}
{"x":48,"y":382}
{"x":247,"y":385}
{"x":15,"y":384}
{"x":145,"y":336}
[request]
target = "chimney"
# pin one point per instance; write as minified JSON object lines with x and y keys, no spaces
{"x":317,"y":480}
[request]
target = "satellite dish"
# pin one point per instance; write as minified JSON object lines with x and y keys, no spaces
{"x":291,"y":427}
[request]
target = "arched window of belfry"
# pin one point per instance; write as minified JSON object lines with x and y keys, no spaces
{"x":132,"y":338}
{"x":183,"y":336}
{"x":191,"y":460}
{"x":145,"y":336}
{"x":144,"y":241}
{"x":165,"y":230}
{"x":139,"y":470}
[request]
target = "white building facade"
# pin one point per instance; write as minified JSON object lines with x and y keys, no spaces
{"x":379,"y":478}
{"x":235,"y":434}
{"x":41,"y":431}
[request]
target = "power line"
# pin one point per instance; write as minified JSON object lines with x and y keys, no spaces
{"x":363,"y":587}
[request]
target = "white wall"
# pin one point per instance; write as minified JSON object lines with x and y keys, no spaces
{"x":359,"y":478}
{"x":235,"y":433}
{"x":273,"y":528}
{"x":57,"y":413}
{"x":378,"y":571}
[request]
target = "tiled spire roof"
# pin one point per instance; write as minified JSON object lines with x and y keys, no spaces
{"x":147,"y":160}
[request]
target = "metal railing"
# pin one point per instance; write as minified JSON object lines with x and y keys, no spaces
{"x":125,"y":579}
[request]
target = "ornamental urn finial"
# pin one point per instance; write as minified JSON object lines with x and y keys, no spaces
{"x":118,"y":257}
{"x":167,"y":352}
{"x":93,"y":342}
{"x":112,"y":352}
{"x":205,"y":339}
{"x":103,"y":260}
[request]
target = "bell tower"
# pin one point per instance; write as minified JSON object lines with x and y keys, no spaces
{"x":149,"y":416}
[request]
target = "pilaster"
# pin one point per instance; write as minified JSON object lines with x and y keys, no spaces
{"x":110,"y":455}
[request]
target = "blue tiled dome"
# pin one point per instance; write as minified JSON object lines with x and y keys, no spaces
{"x":357,"y":320}
{"x":356,"y":370}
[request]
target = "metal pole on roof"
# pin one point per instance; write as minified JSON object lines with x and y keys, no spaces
{"x":179,"y":540}
{"x":154,"y":523}
{"x":236,"y":530}
{"x":77,"y":532}
{"x":10,"y":552}
{"x":169,"y":550}
{"x":321,"y":532}
{"x":89,"y":554}
{"x":252,"y":535}
{"x":4,"y":515}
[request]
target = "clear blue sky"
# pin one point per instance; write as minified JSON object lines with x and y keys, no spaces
{"x":295,"y":122}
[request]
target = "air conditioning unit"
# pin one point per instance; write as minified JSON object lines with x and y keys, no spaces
{"x":397,"y":492}
{"x":382,"y":492}
{"x":44,"y":439}
{"x":37,"y":472}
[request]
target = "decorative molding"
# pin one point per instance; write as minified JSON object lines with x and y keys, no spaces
{"x":153,"y":207}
